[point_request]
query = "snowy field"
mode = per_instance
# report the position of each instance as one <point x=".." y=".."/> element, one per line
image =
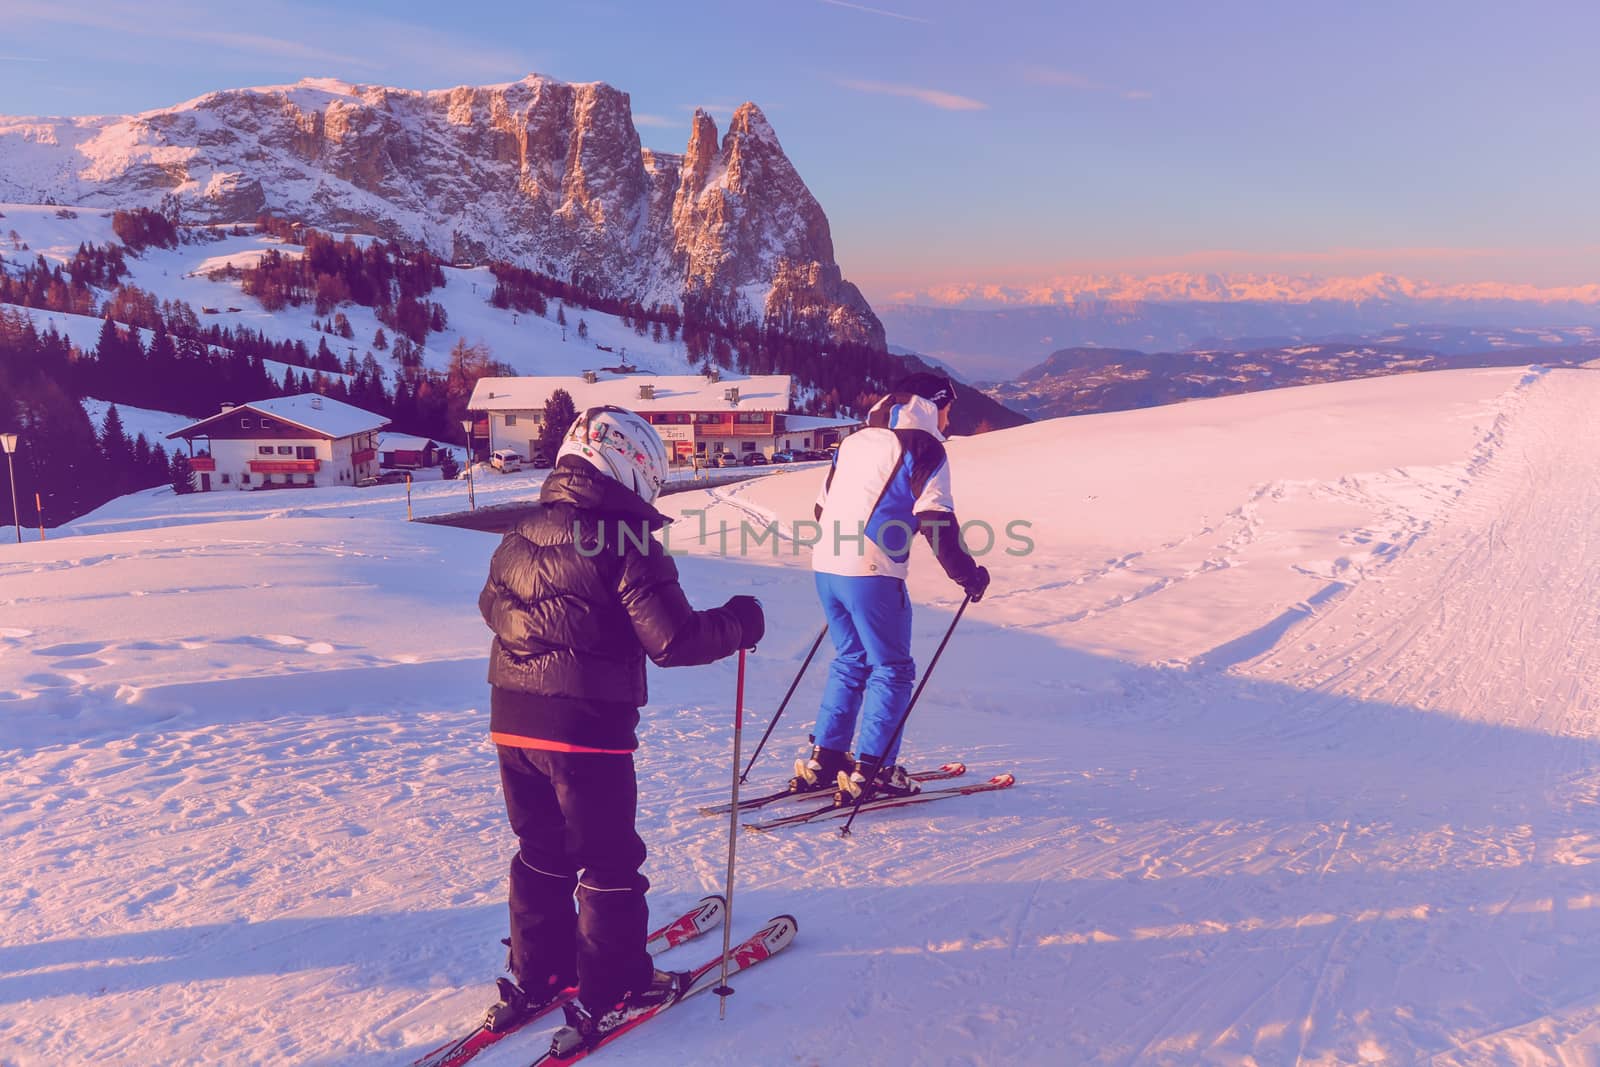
<point x="1299" y="688"/>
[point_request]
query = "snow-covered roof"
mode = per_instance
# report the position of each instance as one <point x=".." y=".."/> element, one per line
<point x="818" y="422"/>
<point x="320" y="414"/>
<point x="672" y="392"/>
<point x="403" y="442"/>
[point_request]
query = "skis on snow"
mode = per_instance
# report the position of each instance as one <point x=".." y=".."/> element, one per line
<point x="700" y="919"/>
<point x="948" y="770"/>
<point x="566" y="1045"/>
<point x="843" y="810"/>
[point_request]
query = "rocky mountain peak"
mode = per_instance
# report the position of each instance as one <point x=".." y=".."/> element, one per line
<point x="547" y="174"/>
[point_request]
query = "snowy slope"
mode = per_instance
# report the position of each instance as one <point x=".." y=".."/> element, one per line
<point x="530" y="344"/>
<point x="1298" y="687"/>
<point x="155" y="425"/>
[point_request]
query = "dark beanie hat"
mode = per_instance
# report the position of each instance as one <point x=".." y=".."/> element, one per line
<point x="934" y="387"/>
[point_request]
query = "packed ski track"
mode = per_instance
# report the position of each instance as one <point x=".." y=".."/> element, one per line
<point x="1298" y="689"/>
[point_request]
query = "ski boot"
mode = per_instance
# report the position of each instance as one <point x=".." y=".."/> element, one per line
<point x="876" y="781"/>
<point x="516" y="1004"/>
<point x="585" y="1029"/>
<point x="818" y="773"/>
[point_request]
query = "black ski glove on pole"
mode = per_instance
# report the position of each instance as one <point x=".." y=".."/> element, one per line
<point x="976" y="585"/>
<point x="752" y="621"/>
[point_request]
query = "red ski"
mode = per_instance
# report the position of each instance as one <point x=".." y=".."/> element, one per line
<point x="948" y="770"/>
<point x="566" y="1045"/>
<point x="702" y="918"/>
<point x="843" y="810"/>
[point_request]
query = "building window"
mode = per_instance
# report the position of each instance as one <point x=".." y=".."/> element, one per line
<point x="747" y="446"/>
<point x="699" y="448"/>
<point x="750" y="416"/>
<point x="711" y="417"/>
<point x="807" y="443"/>
<point x="263" y="450"/>
<point x="244" y="424"/>
<point x="305" y="451"/>
<point x="285" y="450"/>
<point x="244" y="479"/>
<point x="224" y="479"/>
<point x="266" y="424"/>
<point x="511" y="418"/>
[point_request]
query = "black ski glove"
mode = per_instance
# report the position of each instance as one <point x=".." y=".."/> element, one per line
<point x="977" y="585"/>
<point x="752" y="621"/>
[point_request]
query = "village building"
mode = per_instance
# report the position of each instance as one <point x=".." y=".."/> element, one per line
<point x="403" y="451"/>
<point x="288" y="441"/>
<point x="697" y="415"/>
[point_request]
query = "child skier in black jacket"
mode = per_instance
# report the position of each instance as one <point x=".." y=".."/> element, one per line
<point x="578" y="595"/>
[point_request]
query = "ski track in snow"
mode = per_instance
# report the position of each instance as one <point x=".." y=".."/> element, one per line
<point x="251" y="815"/>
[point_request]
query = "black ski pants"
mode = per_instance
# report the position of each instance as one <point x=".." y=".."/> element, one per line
<point x="573" y="814"/>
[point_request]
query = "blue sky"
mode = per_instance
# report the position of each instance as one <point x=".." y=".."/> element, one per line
<point x="999" y="142"/>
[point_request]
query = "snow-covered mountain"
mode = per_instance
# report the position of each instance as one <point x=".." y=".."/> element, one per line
<point x="547" y="174"/>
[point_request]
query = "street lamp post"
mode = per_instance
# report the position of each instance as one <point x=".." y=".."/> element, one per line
<point x="8" y="442"/>
<point x="472" y="499"/>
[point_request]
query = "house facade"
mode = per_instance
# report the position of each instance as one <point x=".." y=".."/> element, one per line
<point x="286" y="442"/>
<point x="696" y="415"/>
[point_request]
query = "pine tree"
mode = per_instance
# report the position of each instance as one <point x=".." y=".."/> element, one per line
<point x="157" y="466"/>
<point x="559" y="414"/>
<point x="179" y="475"/>
<point x="117" y="452"/>
<point x="583" y="329"/>
<point x="380" y="340"/>
<point x="141" y="459"/>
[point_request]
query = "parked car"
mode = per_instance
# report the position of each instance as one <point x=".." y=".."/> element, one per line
<point x="786" y="455"/>
<point x="542" y="461"/>
<point x="393" y="477"/>
<point x="505" y="460"/>
<point x="725" y="459"/>
<point x="755" y="459"/>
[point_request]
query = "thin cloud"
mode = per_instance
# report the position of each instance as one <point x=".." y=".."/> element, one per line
<point x="386" y="42"/>
<point x="645" y="119"/>
<point x="933" y="97"/>
<point x="22" y="59"/>
<point x="1064" y="79"/>
<point x="875" y="11"/>
<point x="714" y="110"/>
<point x="245" y="43"/>
<point x="1067" y="79"/>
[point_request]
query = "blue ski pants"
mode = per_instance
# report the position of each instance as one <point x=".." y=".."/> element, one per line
<point x="869" y="620"/>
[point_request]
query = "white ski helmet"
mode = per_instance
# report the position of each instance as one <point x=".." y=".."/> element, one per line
<point x="618" y="442"/>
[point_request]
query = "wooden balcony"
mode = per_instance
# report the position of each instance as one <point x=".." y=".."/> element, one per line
<point x="203" y="463"/>
<point x="285" y="466"/>
<point x="365" y="455"/>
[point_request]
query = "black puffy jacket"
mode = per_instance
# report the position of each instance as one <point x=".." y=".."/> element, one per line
<point x="576" y="602"/>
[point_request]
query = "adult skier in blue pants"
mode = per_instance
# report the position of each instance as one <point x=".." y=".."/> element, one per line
<point x="889" y="481"/>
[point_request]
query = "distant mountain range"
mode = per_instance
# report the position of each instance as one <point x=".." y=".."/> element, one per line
<point x="1242" y="288"/>
<point x="997" y="332"/>
<point x="1079" y="381"/>
<point x="545" y="174"/>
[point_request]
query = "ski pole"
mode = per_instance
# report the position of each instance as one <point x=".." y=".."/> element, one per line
<point x="724" y="990"/>
<point x="778" y="714"/>
<point x="901" y="725"/>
